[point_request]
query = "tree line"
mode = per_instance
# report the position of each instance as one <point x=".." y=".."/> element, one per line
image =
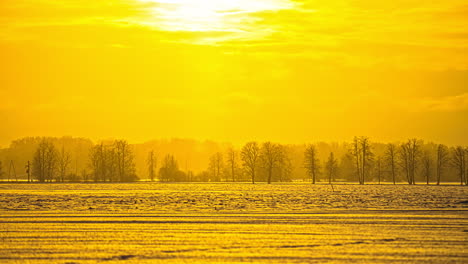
<point x="407" y="159"/>
<point x="359" y="161"/>
<point x="268" y="162"/>
<point x="112" y="162"/>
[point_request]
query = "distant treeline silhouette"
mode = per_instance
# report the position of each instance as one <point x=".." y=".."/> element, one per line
<point x="79" y="160"/>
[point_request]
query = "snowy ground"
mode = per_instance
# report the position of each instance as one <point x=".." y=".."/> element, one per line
<point x="200" y="223"/>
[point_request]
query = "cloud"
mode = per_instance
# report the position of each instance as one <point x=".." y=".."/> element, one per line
<point x="335" y="30"/>
<point x="397" y="34"/>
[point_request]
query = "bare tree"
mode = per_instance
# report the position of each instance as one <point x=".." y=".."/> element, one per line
<point x="409" y="158"/>
<point x="426" y="161"/>
<point x="357" y="154"/>
<point x="27" y="168"/>
<point x="249" y="155"/>
<point x="151" y="162"/>
<point x="216" y="165"/>
<point x="45" y="161"/>
<point x="270" y="157"/>
<point x="99" y="162"/>
<point x="362" y="153"/>
<point x="442" y="161"/>
<point x="366" y="156"/>
<point x="232" y="158"/>
<point x="64" y="160"/>
<point x="311" y="162"/>
<point x="125" y="163"/>
<point x="169" y="170"/>
<point x="114" y="162"/>
<point x="391" y="159"/>
<point x="459" y="162"/>
<point x="110" y="162"/>
<point x="331" y="167"/>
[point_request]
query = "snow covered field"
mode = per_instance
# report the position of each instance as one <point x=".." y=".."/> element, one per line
<point x="200" y="223"/>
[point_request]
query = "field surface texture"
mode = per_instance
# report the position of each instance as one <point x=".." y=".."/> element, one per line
<point x="232" y="223"/>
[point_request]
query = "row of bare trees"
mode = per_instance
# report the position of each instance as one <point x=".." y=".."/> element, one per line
<point x="169" y="171"/>
<point x="459" y="162"/>
<point x="410" y="157"/>
<point x="362" y="154"/>
<point x="112" y="162"/>
<point x="272" y="162"/>
<point x="46" y="162"/>
<point x="360" y="160"/>
<point x="270" y="159"/>
<point x="407" y="158"/>
<point x="254" y="162"/>
<point x="313" y="167"/>
<point x="108" y="162"/>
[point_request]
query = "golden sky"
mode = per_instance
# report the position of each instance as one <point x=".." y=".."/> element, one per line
<point x="280" y="70"/>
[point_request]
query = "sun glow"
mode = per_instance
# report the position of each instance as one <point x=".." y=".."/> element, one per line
<point x="210" y="15"/>
<point x="291" y="71"/>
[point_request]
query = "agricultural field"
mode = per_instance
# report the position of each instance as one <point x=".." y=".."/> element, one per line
<point x="232" y="223"/>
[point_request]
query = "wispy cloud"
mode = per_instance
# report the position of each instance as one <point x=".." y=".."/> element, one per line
<point x="400" y="34"/>
<point x="455" y="103"/>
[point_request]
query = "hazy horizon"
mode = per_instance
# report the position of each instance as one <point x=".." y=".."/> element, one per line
<point x="234" y="144"/>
